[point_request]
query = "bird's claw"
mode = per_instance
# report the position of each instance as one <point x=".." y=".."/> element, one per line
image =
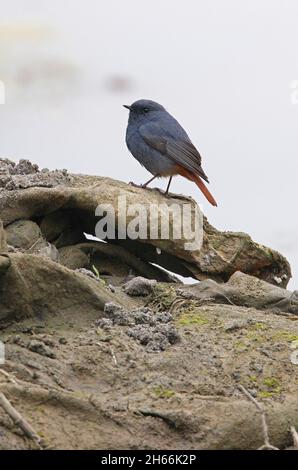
<point x="144" y="186"/>
<point x="131" y="183"/>
<point x="135" y="185"/>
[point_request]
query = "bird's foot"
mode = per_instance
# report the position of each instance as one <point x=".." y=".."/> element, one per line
<point x="142" y="186"/>
<point x="135" y="185"/>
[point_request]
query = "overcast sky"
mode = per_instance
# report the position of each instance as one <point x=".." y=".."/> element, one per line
<point x="224" y="68"/>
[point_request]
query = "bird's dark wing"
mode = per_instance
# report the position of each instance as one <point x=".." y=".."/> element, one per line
<point x="179" y="149"/>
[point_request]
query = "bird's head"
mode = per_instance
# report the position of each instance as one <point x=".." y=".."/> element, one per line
<point x="143" y="109"/>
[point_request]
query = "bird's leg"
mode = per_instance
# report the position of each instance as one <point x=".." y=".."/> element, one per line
<point x="151" y="179"/>
<point x="168" y="187"/>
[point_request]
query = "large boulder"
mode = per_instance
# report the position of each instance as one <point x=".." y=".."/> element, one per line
<point x="22" y="234"/>
<point x="71" y="201"/>
<point x="245" y="290"/>
<point x="34" y="288"/>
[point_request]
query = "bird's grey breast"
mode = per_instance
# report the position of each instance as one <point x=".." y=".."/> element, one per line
<point x="152" y="159"/>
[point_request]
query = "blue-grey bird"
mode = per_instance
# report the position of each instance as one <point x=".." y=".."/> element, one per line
<point x="162" y="146"/>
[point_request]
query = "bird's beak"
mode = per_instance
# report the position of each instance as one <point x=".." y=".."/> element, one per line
<point x="127" y="107"/>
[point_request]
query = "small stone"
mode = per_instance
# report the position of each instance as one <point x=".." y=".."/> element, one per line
<point x="117" y="314"/>
<point x="87" y="272"/>
<point x="163" y="317"/>
<point x="104" y="323"/>
<point x="139" y="286"/>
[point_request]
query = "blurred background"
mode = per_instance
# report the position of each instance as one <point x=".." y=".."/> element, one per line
<point x="223" y="68"/>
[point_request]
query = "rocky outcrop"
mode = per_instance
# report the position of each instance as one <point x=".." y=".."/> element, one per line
<point x="137" y="358"/>
<point x="64" y="206"/>
<point x="247" y="291"/>
<point x="37" y="287"/>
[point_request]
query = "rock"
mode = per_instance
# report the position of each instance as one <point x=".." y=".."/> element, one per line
<point x="41" y="248"/>
<point x="245" y="290"/>
<point x="22" y="234"/>
<point x="139" y="286"/>
<point x="31" y="288"/>
<point x="24" y="167"/>
<point x="40" y="348"/>
<point x="47" y="250"/>
<point x="88" y="273"/>
<point x="27" y="175"/>
<point x="73" y="258"/>
<point x="6" y="169"/>
<point x="155" y="331"/>
<point x="168" y="366"/>
<point x="53" y="224"/>
<point x="222" y="254"/>
<point x="117" y="314"/>
<point x="157" y="338"/>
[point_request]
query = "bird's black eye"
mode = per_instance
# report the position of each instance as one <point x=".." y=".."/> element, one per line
<point x="146" y="110"/>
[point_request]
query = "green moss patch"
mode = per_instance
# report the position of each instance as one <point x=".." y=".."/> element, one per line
<point x="285" y="336"/>
<point x="161" y="392"/>
<point x="259" y="326"/>
<point x="191" y="319"/>
<point x="271" y="387"/>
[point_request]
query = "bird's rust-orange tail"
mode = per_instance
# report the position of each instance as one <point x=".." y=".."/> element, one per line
<point x="204" y="190"/>
<point x="196" y="179"/>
